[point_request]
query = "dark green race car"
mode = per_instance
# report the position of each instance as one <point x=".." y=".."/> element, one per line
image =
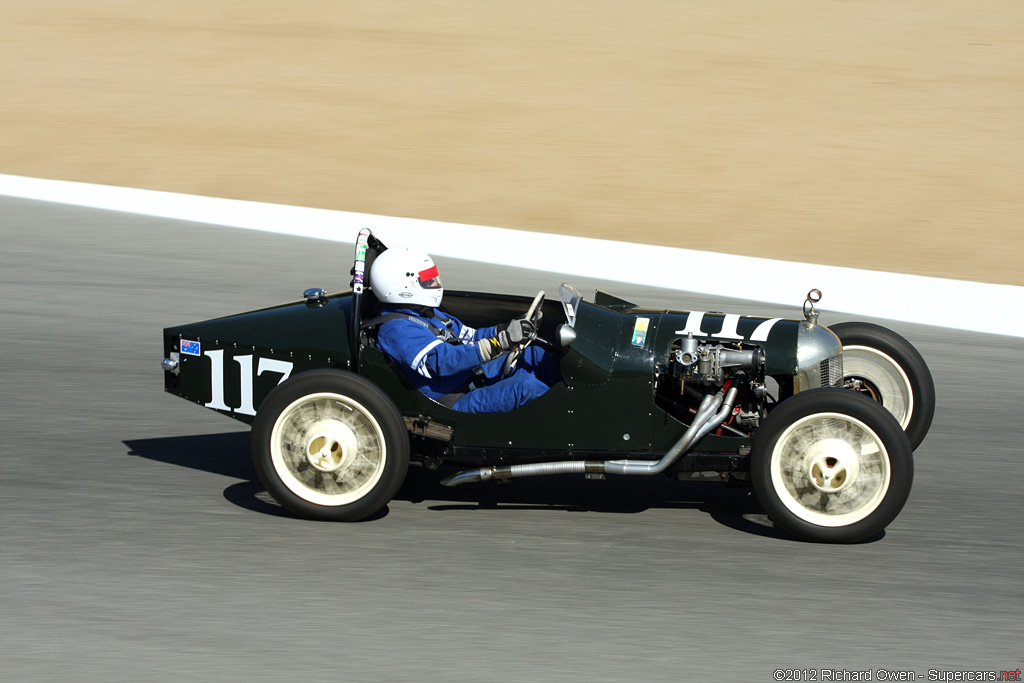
<point x="821" y="421"/>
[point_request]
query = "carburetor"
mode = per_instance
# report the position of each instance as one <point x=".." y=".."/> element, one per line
<point x="712" y="364"/>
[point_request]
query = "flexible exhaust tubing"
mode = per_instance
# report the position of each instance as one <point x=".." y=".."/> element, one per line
<point x="713" y="411"/>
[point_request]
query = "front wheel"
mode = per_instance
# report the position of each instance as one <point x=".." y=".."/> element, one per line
<point x="887" y="368"/>
<point x="829" y="466"/>
<point x="330" y="445"/>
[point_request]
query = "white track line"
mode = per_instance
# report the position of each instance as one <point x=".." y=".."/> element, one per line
<point x="956" y="304"/>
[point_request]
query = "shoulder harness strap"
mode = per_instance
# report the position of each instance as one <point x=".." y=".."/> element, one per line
<point x="445" y="334"/>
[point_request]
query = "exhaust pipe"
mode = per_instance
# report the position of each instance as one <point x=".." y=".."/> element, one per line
<point x="713" y="411"/>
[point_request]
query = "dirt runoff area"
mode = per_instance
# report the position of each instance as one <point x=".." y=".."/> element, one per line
<point x="873" y="134"/>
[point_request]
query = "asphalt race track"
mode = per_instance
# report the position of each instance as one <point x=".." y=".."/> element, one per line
<point x="138" y="544"/>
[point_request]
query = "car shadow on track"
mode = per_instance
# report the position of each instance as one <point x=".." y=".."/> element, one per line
<point x="227" y="454"/>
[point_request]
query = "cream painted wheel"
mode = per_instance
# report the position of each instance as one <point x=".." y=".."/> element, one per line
<point x="330" y="445"/>
<point x="885" y="367"/>
<point x="881" y="378"/>
<point x="829" y="466"/>
<point x="328" y="449"/>
<point x="830" y="469"/>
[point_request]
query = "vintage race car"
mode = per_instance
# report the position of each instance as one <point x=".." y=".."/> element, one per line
<point x="821" y="421"/>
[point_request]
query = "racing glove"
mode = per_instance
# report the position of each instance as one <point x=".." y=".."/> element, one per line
<point x="505" y="338"/>
<point x="530" y="325"/>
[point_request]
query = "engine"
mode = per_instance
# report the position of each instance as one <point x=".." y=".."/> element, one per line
<point x="712" y="364"/>
<point x="697" y="368"/>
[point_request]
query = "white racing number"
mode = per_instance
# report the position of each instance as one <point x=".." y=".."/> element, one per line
<point x="281" y="367"/>
<point x="730" y="323"/>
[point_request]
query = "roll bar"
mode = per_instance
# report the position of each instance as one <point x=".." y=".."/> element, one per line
<point x="368" y="248"/>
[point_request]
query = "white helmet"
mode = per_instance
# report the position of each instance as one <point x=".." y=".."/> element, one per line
<point x="406" y="275"/>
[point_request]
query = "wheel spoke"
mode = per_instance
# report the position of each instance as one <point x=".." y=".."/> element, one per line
<point x="869" y="448"/>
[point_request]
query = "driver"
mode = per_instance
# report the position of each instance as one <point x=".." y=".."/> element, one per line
<point x="457" y="365"/>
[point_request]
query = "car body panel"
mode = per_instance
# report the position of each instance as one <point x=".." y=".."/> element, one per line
<point x="605" y="405"/>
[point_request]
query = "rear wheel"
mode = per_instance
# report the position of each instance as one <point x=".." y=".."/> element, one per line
<point x="829" y="466"/>
<point x="886" y="368"/>
<point x="330" y="445"/>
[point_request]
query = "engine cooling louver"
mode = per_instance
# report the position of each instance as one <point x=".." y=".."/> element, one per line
<point x="832" y="372"/>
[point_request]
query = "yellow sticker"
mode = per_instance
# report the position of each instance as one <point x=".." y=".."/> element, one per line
<point x="640" y="331"/>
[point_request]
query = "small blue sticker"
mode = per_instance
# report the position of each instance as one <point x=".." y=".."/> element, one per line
<point x="190" y="348"/>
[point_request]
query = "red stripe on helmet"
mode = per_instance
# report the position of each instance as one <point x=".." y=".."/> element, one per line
<point x="428" y="274"/>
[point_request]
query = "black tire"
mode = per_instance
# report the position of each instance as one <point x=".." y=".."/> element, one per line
<point x="890" y="371"/>
<point x="830" y="467"/>
<point x="330" y="445"/>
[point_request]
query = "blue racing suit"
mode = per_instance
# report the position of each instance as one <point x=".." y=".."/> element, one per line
<point x="440" y="356"/>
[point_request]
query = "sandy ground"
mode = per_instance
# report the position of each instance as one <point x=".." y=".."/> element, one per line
<point x="873" y="134"/>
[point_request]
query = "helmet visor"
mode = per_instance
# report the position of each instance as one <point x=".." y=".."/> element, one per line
<point x="429" y="278"/>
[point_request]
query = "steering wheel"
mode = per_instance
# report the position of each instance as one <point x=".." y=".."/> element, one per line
<point x="533" y="315"/>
